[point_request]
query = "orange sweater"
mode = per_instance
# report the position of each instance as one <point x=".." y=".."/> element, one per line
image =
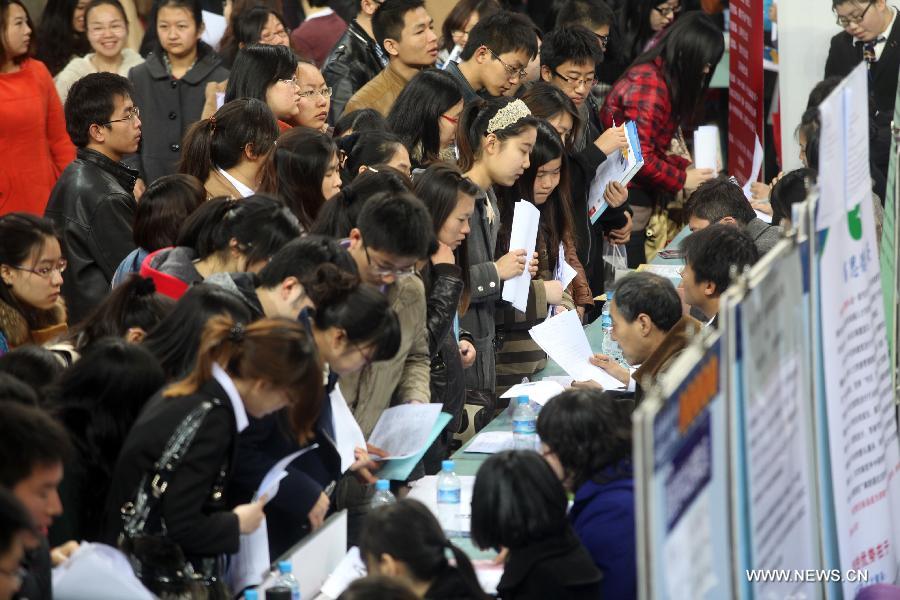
<point x="34" y="145"/>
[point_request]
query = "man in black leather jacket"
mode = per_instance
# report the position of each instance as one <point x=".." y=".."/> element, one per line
<point x="93" y="201"/>
<point x="355" y="59"/>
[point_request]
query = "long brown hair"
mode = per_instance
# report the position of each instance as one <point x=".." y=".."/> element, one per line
<point x="278" y="351"/>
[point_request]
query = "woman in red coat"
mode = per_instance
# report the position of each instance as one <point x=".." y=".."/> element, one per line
<point x="661" y="91"/>
<point x="34" y="145"/>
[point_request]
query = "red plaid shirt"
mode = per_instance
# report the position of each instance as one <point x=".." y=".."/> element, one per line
<point x="641" y="95"/>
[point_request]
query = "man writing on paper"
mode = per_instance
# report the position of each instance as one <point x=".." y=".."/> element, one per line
<point x="709" y="255"/>
<point x="649" y="328"/>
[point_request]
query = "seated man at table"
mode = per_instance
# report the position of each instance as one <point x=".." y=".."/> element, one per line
<point x="649" y="327"/>
<point x="709" y="255"/>
<point x="721" y="200"/>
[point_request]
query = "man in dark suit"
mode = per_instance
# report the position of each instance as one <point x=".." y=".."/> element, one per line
<point x="870" y="34"/>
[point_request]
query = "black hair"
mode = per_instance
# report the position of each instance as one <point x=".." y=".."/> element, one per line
<point x="361" y="310"/>
<point x="301" y="257"/>
<point x="589" y="431"/>
<point x="791" y="189"/>
<point x="517" y="501"/>
<point x="439" y="187"/>
<point x="21" y="236"/>
<point x="341" y="213"/>
<point x="164" y="206"/>
<point x="114" y="3"/>
<point x="649" y="294"/>
<point x="14" y="519"/>
<point x="712" y="251"/>
<point x="456" y="19"/>
<point x="502" y="32"/>
<point x="822" y="90"/>
<point x="473" y="125"/>
<point x="388" y="20"/>
<point x="416" y="114"/>
<point x="590" y="13"/>
<point x="557" y="225"/>
<point x="545" y="101"/>
<point x="718" y="198"/>
<point x="176" y="339"/>
<point x="256" y="68"/>
<point x="132" y="303"/>
<point x="29" y="438"/>
<point x="359" y="121"/>
<point x="34" y="365"/>
<point x="378" y="587"/>
<point x="810" y="126"/>
<point x="688" y="46"/>
<point x="398" y="224"/>
<point x="246" y="29"/>
<point x="577" y="44"/>
<point x="13" y="389"/>
<point x="634" y="24"/>
<point x="5" y="5"/>
<point x="368" y="149"/>
<point x="150" y="42"/>
<point x="91" y="101"/>
<point x="409" y="532"/>
<point x="98" y="399"/>
<point x="57" y="41"/>
<point x="296" y="170"/>
<point x="220" y="140"/>
<point x="260" y="225"/>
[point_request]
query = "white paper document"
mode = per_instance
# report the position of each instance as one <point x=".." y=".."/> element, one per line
<point x="97" y="572"/>
<point x="403" y="430"/>
<point x="425" y="491"/>
<point x="269" y="485"/>
<point x="538" y="391"/>
<point x="757" y="165"/>
<point x="214" y="26"/>
<point x="491" y="442"/>
<point x="564" y="380"/>
<point x="523" y="234"/>
<point x="348" y="435"/>
<point x="348" y="570"/>
<point x="706" y="147"/>
<point x="564" y="271"/>
<point x="564" y="340"/>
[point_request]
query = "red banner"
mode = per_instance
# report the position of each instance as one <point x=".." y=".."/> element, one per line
<point x="745" y="91"/>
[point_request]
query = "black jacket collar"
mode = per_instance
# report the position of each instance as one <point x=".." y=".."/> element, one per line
<point x="124" y="175"/>
<point x="572" y="566"/>
<point x="207" y="61"/>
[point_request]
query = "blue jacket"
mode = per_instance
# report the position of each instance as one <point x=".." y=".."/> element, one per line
<point x="603" y="517"/>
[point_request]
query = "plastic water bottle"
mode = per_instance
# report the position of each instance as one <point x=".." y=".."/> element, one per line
<point x="609" y="346"/>
<point x="286" y="579"/>
<point x="524" y="425"/>
<point x="383" y="494"/>
<point x="449" y="497"/>
<point x="251" y="595"/>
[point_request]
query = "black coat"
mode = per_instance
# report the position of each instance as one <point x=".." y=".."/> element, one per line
<point x="93" y="208"/>
<point x="843" y="56"/>
<point x="559" y="568"/>
<point x="196" y="519"/>
<point x="352" y="63"/>
<point x="169" y="106"/>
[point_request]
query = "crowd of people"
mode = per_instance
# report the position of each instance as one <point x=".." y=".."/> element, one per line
<point x="212" y="246"/>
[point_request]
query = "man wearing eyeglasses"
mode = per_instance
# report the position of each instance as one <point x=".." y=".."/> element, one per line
<point x="92" y="203"/>
<point x="494" y="58"/>
<point x="870" y="33"/>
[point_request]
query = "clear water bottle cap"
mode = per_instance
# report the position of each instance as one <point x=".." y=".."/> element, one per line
<point x="284" y="566"/>
<point x="521" y="399"/>
<point x="251" y="595"/>
<point x="447" y="465"/>
<point x="382" y="485"/>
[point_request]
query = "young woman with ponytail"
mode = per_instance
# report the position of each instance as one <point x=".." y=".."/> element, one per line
<point x="228" y="150"/>
<point x="242" y="371"/>
<point x="494" y="141"/>
<point x="405" y="541"/>
<point x="339" y="215"/>
<point x="222" y="236"/>
<point x="352" y="325"/>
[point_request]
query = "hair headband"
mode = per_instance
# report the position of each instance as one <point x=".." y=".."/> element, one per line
<point x="510" y="114"/>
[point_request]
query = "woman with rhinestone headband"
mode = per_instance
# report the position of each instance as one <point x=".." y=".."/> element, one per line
<point x="495" y="139"/>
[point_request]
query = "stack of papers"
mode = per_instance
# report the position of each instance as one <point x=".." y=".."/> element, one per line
<point x="491" y="442"/>
<point x="619" y="166"/>
<point x="564" y="340"/>
<point x="523" y="234"/>
<point x="706" y="147"/>
<point x="97" y="572"/>
<point x="406" y="432"/>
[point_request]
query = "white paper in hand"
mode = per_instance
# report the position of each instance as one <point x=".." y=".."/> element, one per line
<point x="706" y="147"/>
<point x="523" y="234"/>
<point x="563" y="339"/>
<point x="268" y="487"/>
<point x="564" y="272"/>
<point x="757" y="166"/>
<point x="347" y="433"/>
<point x="97" y="572"/>
<point x="403" y="430"/>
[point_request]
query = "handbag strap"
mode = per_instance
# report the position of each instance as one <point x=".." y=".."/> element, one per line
<point x="151" y="489"/>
